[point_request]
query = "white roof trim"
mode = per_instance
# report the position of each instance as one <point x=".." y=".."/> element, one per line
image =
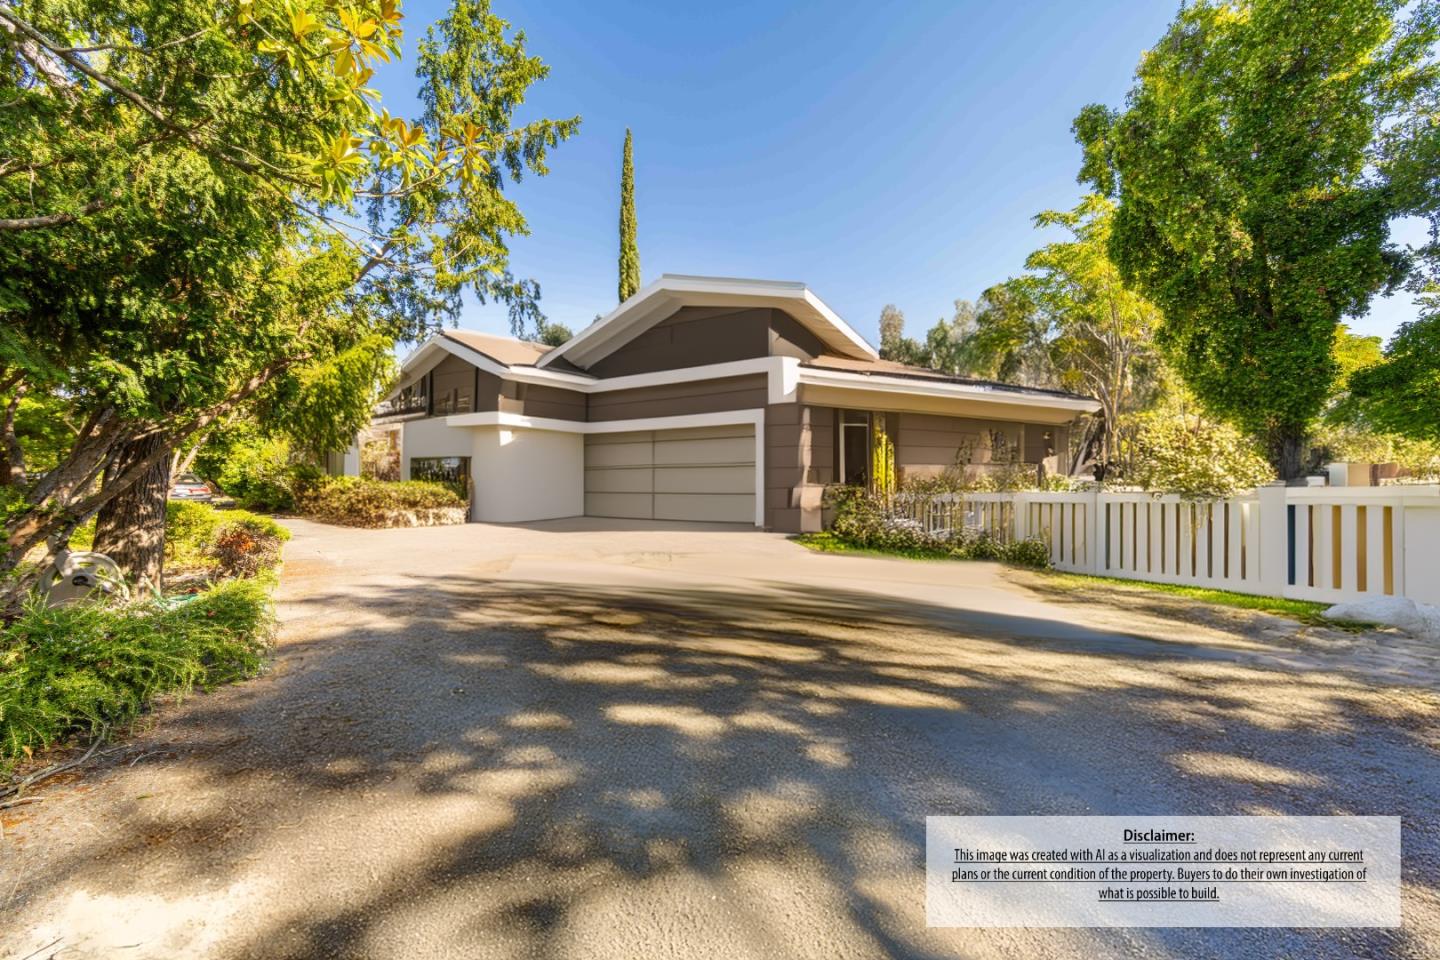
<point x="944" y="388"/>
<point x="673" y="291"/>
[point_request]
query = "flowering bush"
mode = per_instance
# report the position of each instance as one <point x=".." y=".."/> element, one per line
<point x="1194" y="458"/>
<point x="864" y="521"/>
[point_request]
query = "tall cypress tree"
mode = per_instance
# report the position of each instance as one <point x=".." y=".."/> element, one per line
<point x="629" y="253"/>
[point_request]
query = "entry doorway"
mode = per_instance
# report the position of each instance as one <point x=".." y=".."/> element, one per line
<point x="854" y="449"/>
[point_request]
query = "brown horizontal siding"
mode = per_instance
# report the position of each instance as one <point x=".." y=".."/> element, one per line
<point x="680" y="399"/>
<point x="538" y="400"/>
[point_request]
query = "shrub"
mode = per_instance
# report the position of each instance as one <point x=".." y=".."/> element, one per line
<point x="861" y="520"/>
<point x="359" y="502"/>
<point x="193" y="532"/>
<point x="1030" y="552"/>
<point x="246" y="546"/>
<point x="1194" y="458"/>
<point x="84" y="667"/>
<point x="259" y="475"/>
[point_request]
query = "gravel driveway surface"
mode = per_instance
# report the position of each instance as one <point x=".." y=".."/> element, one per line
<point x="568" y="740"/>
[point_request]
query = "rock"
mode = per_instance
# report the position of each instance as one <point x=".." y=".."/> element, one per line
<point x="1417" y="619"/>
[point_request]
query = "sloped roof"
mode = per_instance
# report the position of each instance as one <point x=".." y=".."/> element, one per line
<point x="892" y="368"/>
<point x="672" y="291"/>
<point x="506" y="350"/>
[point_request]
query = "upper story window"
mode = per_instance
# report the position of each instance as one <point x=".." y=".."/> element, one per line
<point x="412" y="399"/>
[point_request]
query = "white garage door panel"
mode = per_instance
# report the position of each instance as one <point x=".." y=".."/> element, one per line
<point x="729" y="479"/>
<point x="619" y="454"/>
<point x="620" y="480"/>
<point x="717" y="450"/>
<point x="709" y="508"/>
<point x="702" y="474"/>
<point x="629" y="506"/>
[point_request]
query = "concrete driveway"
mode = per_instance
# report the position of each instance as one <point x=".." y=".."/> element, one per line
<point x="574" y="741"/>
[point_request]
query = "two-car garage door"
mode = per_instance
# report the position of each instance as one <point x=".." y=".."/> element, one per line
<point x="705" y="474"/>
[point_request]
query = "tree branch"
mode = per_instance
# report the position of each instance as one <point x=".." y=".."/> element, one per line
<point x="53" y="219"/>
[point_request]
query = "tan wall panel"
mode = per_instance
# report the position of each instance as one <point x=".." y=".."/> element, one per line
<point x="710" y="508"/>
<point x="739" y="479"/>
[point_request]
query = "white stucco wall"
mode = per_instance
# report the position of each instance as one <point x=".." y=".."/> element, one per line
<point x="524" y="474"/>
<point x="432" y="438"/>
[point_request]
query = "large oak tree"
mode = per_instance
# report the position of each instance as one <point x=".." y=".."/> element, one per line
<point x="1250" y="209"/>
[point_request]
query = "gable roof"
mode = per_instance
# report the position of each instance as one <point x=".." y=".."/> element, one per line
<point x="506" y="350"/>
<point x="673" y="291"/>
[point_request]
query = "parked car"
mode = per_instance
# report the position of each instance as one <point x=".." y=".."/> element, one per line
<point x="190" y="487"/>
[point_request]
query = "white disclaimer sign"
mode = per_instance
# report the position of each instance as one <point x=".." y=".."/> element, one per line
<point x="1162" y="871"/>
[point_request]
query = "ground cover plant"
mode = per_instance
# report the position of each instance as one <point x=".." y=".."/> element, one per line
<point x="85" y="668"/>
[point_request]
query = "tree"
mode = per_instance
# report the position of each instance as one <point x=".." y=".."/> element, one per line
<point x="1010" y="341"/>
<point x="1102" y="332"/>
<point x="946" y="344"/>
<point x="894" y="345"/>
<point x="1401" y="394"/>
<point x="629" y="252"/>
<point x="1246" y="212"/>
<point x="554" y="334"/>
<point x="179" y="250"/>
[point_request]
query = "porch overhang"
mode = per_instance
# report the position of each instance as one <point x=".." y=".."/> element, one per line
<point x="911" y="395"/>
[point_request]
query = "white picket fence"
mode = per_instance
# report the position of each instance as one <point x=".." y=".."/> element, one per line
<point x="1314" y="543"/>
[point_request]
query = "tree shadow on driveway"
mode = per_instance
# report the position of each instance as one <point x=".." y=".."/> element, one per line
<point x="510" y="768"/>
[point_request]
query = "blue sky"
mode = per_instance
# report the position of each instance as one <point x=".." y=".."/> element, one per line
<point x="881" y="153"/>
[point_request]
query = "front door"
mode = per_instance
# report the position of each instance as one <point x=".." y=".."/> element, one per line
<point x="855" y="447"/>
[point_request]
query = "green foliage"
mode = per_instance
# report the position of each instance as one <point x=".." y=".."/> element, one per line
<point x="259" y="475"/>
<point x="629" y="252"/>
<point x="193" y="530"/>
<point x="1401" y="395"/>
<point x="323" y="405"/>
<point x="894" y="345"/>
<point x="1246" y="212"/>
<point x="1101" y="333"/>
<point x="554" y="334"/>
<point x="209" y="212"/>
<point x="84" y="668"/>
<point x="1009" y="341"/>
<point x="864" y="522"/>
<point x="1179" y="453"/>
<point x="358" y="502"/>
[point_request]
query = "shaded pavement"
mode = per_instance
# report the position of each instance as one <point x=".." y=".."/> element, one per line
<point x="568" y="740"/>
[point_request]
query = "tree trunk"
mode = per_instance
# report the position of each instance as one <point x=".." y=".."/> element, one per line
<point x="12" y="456"/>
<point x="130" y="528"/>
<point x="1287" y="452"/>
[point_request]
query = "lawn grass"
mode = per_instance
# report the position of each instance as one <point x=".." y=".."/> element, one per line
<point x="1306" y="611"/>
<point x="827" y="542"/>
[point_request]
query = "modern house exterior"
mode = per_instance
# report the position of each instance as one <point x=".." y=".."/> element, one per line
<point x="698" y="399"/>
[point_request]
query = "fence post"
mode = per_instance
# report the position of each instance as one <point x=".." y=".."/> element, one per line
<point x="1274" y="545"/>
<point x="1020" y="513"/>
<point x="1094" y="526"/>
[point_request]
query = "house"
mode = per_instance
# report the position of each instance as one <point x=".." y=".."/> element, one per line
<point x="698" y="399"/>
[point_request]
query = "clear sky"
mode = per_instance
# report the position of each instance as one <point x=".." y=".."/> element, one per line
<point x="881" y="153"/>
